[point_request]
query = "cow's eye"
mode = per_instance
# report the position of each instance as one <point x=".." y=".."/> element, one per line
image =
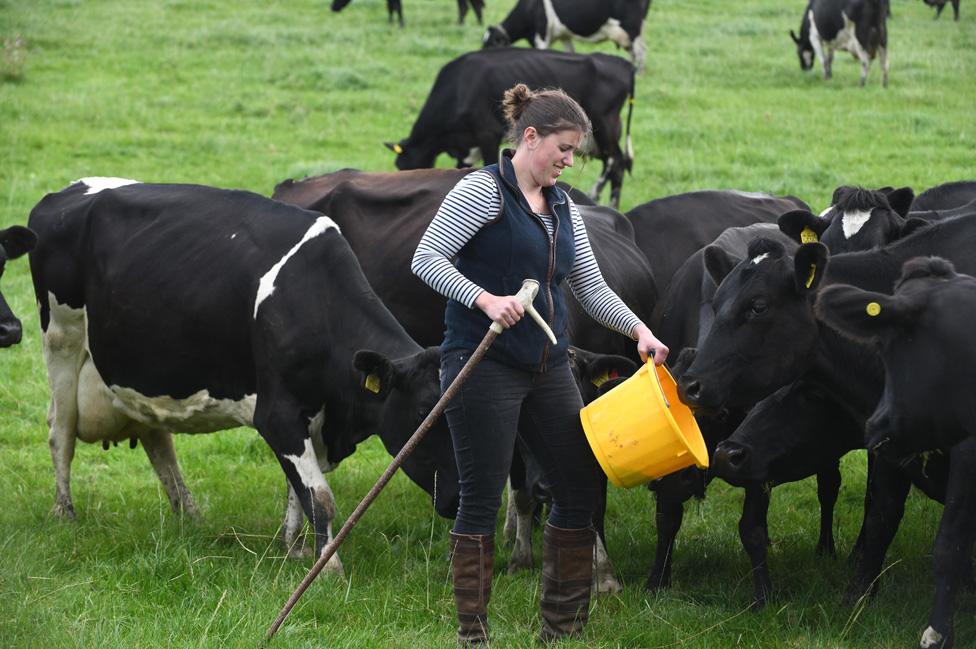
<point x="758" y="308"/>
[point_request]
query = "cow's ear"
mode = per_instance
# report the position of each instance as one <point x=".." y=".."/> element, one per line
<point x="914" y="224"/>
<point x="809" y="264"/>
<point x="901" y="200"/>
<point x="375" y="372"/>
<point x="684" y="360"/>
<point x="719" y="263"/>
<point x="609" y="384"/>
<point x="802" y="226"/>
<point x="796" y="39"/>
<point x="859" y="314"/>
<point x="17" y="240"/>
<point x="604" y="367"/>
<point x="395" y="147"/>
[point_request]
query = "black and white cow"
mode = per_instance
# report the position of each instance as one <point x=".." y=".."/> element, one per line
<point x="395" y="7"/>
<point x="182" y="308"/>
<point x="940" y="5"/>
<point x="671" y="229"/>
<point x="855" y="26"/>
<point x="465" y="119"/>
<point x="543" y="22"/>
<point x="14" y="242"/>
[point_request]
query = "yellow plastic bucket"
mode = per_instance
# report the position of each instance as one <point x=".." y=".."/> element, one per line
<point x="640" y="431"/>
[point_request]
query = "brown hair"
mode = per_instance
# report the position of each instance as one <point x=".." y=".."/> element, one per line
<point x="548" y="111"/>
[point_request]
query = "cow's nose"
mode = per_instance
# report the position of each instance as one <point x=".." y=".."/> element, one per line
<point x="730" y="459"/>
<point x="10" y="333"/>
<point x="689" y="391"/>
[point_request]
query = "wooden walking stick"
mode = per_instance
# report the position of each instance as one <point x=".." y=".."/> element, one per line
<point x="526" y="294"/>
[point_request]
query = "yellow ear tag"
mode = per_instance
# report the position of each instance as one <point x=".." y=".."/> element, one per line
<point x="600" y="380"/>
<point x="397" y="149"/>
<point x="813" y="273"/>
<point x="873" y="309"/>
<point x="808" y="236"/>
<point x="373" y="383"/>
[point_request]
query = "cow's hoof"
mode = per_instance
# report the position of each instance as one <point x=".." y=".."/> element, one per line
<point x="298" y="550"/>
<point x="826" y="550"/>
<point x="64" y="511"/>
<point x="608" y="585"/>
<point x="334" y="566"/>
<point x="655" y="583"/>
<point x="932" y="639"/>
<point x="519" y="562"/>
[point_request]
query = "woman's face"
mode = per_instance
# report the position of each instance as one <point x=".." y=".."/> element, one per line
<point x="549" y="155"/>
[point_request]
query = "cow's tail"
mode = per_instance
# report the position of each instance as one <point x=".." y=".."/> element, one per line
<point x="628" y="146"/>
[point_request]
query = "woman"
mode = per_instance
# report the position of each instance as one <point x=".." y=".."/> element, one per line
<point x="502" y="224"/>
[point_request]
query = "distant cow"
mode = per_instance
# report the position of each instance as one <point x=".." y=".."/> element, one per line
<point x="14" y="242"/>
<point x="543" y="22"/>
<point x="182" y="308"/>
<point x="855" y="26"/>
<point x="940" y="5"/>
<point x="465" y="120"/>
<point x="394" y="7"/>
<point x="945" y="196"/>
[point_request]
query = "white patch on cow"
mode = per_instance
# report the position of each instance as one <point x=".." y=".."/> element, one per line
<point x="854" y="221"/>
<point x="610" y="30"/>
<point x="307" y="466"/>
<point x="604" y="577"/>
<point x="233" y="236"/>
<point x="474" y="157"/>
<point x="931" y="638"/>
<point x="755" y="195"/>
<point x="198" y="413"/>
<point x="98" y="183"/>
<point x="758" y="259"/>
<point x="315" y="434"/>
<point x="266" y="286"/>
<point x="826" y="211"/>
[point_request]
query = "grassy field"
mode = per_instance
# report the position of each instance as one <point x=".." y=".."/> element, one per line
<point x="244" y="94"/>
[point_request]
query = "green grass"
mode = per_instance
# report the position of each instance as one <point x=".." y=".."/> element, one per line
<point x="245" y="94"/>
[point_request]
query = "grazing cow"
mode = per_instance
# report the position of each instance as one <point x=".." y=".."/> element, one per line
<point x="543" y="22"/>
<point x="926" y="344"/>
<point x="855" y="26"/>
<point x="765" y="335"/>
<point x="182" y="308"/>
<point x="394" y="7"/>
<point x="465" y="120"/>
<point x="940" y="5"/>
<point x="14" y="242"/>
<point x="670" y="229"/>
<point x="945" y="196"/>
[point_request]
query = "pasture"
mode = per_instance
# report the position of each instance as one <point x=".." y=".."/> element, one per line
<point x="245" y="94"/>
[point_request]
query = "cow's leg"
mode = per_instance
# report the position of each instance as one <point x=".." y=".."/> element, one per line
<point x="828" y="63"/>
<point x="568" y="45"/>
<point x="601" y="181"/>
<point x="479" y="7"/>
<point x="638" y="51"/>
<point x="524" y="506"/>
<point x="285" y="430"/>
<point x="462" y="11"/>
<point x="865" y="65"/>
<point x="883" y="59"/>
<point x="828" y="486"/>
<point x="291" y="526"/>
<point x="604" y="577"/>
<point x="667" y="518"/>
<point x="889" y="489"/>
<point x="755" y="541"/>
<point x="955" y="9"/>
<point x="159" y="448"/>
<point x="953" y="544"/>
<point x="64" y="354"/>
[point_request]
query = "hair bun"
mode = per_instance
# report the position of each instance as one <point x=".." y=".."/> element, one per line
<point x="516" y="100"/>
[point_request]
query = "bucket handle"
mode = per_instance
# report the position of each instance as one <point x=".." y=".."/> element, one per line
<point x="653" y="370"/>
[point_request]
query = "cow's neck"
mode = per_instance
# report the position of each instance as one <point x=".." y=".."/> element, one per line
<point x="849" y="370"/>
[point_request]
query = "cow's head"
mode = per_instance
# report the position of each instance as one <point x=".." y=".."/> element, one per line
<point x="412" y="156"/>
<point x="593" y="371"/>
<point x="339" y="5"/>
<point x="400" y="394"/>
<point x="924" y="333"/>
<point x="804" y="49"/>
<point x="789" y="435"/>
<point x="764" y="334"/>
<point x="495" y="36"/>
<point x="857" y="219"/>
<point x="14" y="242"/>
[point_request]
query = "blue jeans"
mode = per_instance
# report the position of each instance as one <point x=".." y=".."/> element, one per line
<point x="499" y="402"/>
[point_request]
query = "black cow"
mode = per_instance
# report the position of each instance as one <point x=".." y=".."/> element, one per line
<point x="182" y="308"/>
<point x="925" y="336"/>
<point x="670" y="229"/>
<point x="766" y="335"/>
<point x="14" y="242"/>
<point x="394" y="7"/>
<point x="465" y="120"/>
<point x="543" y="22"/>
<point x="855" y="26"/>
<point x="940" y="5"/>
<point x="945" y="196"/>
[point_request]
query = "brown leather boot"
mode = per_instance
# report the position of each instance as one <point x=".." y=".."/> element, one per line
<point x="472" y="556"/>
<point x="567" y="573"/>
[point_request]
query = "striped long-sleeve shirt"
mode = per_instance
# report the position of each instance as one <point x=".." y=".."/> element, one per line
<point x="472" y="204"/>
